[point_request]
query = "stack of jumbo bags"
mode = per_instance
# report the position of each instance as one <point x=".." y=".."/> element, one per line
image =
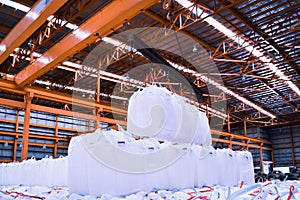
<point x="32" y="172"/>
<point x="157" y="113"/>
<point x="89" y="175"/>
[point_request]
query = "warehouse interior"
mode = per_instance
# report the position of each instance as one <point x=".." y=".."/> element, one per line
<point x="47" y="95"/>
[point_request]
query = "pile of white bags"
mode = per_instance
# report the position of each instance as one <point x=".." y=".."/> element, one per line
<point x="89" y="175"/>
<point x="94" y="165"/>
<point x="270" y="190"/>
<point x="154" y="113"/>
<point x="45" y="172"/>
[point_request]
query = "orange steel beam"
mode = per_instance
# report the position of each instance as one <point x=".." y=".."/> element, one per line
<point x="17" y="104"/>
<point x="15" y="148"/>
<point x="37" y="136"/>
<point x="101" y="24"/>
<point x="28" y="24"/>
<point x="25" y="136"/>
<point x="241" y="137"/>
<point x="55" y="97"/>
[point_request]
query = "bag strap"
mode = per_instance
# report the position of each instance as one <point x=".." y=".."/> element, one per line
<point x="246" y="190"/>
<point x="267" y="190"/>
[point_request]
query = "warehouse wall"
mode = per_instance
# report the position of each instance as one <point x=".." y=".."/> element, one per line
<point x="286" y="149"/>
<point x="40" y="124"/>
<point x="252" y="131"/>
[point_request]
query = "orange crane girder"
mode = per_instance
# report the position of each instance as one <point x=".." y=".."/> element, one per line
<point x="103" y="23"/>
<point x="37" y="15"/>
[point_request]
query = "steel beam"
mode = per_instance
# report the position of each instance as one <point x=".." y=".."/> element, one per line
<point x="101" y="24"/>
<point x="55" y="97"/>
<point x="216" y="50"/>
<point x="241" y="137"/>
<point x="56" y="111"/>
<point x="25" y="136"/>
<point x="26" y="27"/>
<point x="201" y="42"/>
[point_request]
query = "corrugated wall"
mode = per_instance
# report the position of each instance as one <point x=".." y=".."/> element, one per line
<point x="286" y="150"/>
<point x="41" y="124"/>
<point x="252" y="131"/>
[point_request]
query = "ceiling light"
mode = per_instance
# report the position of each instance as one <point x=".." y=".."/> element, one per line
<point x="205" y="79"/>
<point x="2" y="48"/>
<point x="195" y="50"/>
<point x="221" y="87"/>
<point x="15" y="5"/>
<point x="240" y="41"/>
<point x="5" y="144"/>
<point x="243" y="78"/>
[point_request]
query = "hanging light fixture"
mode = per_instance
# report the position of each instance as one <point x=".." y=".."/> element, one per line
<point x="5" y="144"/>
<point x="44" y="146"/>
<point x="243" y="78"/>
<point x="195" y="49"/>
<point x="21" y="145"/>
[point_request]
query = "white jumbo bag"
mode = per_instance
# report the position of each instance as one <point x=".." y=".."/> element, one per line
<point x="26" y="172"/>
<point x="1" y="173"/>
<point x="63" y="171"/>
<point x="129" y="182"/>
<point x="245" y="167"/>
<point x="105" y="179"/>
<point x="77" y="167"/>
<point x="18" y="173"/>
<point x="151" y="117"/>
<point x="60" y="177"/>
<point x="203" y="136"/>
<point x="34" y="172"/>
<point x="228" y="160"/>
<point x="207" y="168"/>
<point x="135" y="118"/>
<point x="153" y="112"/>
<point x="172" y="112"/>
<point x="43" y="171"/>
<point x="181" y="172"/>
<point x="7" y="175"/>
<point x="158" y="177"/>
<point x="49" y="171"/>
<point x="187" y="127"/>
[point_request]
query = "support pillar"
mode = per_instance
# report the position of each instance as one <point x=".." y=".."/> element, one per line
<point x="245" y="128"/>
<point x="55" y="134"/>
<point x="230" y="142"/>
<point x="89" y="125"/>
<point x="292" y="146"/>
<point x="228" y="123"/>
<point x="15" y="148"/>
<point x="55" y="149"/>
<point x="17" y="121"/>
<point x="261" y="157"/>
<point x="247" y="144"/>
<point x="25" y="137"/>
<point x="97" y="98"/>
<point x="272" y="155"/>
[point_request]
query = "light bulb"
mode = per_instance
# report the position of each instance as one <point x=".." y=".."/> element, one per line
<point x="195" y="50"/>
<point x="6" y="144"/>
